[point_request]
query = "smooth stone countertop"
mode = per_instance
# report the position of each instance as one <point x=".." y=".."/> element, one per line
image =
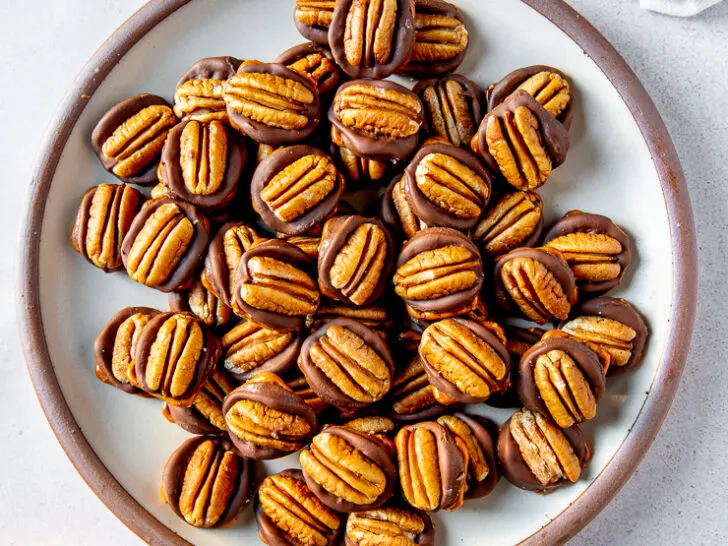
<point x="679" y="492"/>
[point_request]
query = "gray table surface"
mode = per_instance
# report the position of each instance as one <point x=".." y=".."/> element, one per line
<point x="679" y="492"/>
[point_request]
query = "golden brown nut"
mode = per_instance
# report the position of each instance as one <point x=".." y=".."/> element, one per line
<point x="103" y="219"/>
<point x="198" y="95"/>
<point x="313" y="18"/>
<point x="376" y="425"/>
<point x="374" y="317"/>
<point x="432" y="466"/>
<point x="389" y="526"/>
<point x="514" y="220"/>
<point x="362" y="170"/>
<point x="202" y="303"/>
<point x="309" y="244"/>
<point x="314" y="62"/>
<point x="550" y="89"/>
<point x="605" y="359"/>
<point x="397" y="212"/>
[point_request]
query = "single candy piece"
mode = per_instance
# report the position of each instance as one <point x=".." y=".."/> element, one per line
<point x="518" y="341"/>
<point x="536" y="455"/>
<point x="202" y="303"/>
<point x="103" y="219"/>
<point x="315" y="62"/>
<point x="287" y="512"/>
<point x="272" y="104"/>
<point x="165" y="243"/>
<point x="274" y="285"/>
<point x="313" y="18"/>
<point x="447" y="186"/>
<point x="595" y="248"/>
<point x="206" y="482"/>
<point x="514" y="220"/>
<point x="347" y="364"/>
<point x="115" y="347"/>
<point x="205" y="415"/>
<point x="372" y="38"/>
<point x="438" y="271"/>
<point x="361" y="170"/>
<point x="611" y="325"/>
<point x="265" y="420"/>
<point x="523" y="142"/>
<point x="397" y="212"/>
<point x="432" y="466"/>
<point x="349" y="471"/>
<point x="356" y="256"/>
<point x="198" y="95"/>
<point x="128" y="139"/>
<point x="464" y="361"/>
<point x="378" y="119"/>
<point x="441" y="39"/>
<point x="389" y="526"/>
<point x="296" y="188"/>
<point x="249" y="349"/>
<point x="535" y="283"/>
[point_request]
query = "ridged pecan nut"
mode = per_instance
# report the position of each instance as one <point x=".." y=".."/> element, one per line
<point x="374" y="317"/>
<point x="595" y="248"/>
<point x="115" y="347"/>
<point x="288" y="512"/>
<point x="165" y="243"/>
<point x="348" y="470"/>
<point x="272" y="104"/>
<point x="198" y="95"/>
<point x="309" y="244"/>
<point x="204" y="416"/>
<point x="375" y="118"/>
<point x="441" y="39"/>
<point x="397" y="212"/>
<point x="128" y="139"/>
<point x="265" y="420"/>
<point x="372" y="38"/>
<point x="313" y="18"/>
<point x="447" y="186"/>
<point x="522" y="141"/>
<point x="355" y="259"/>
<point x="206" y="482"/>
<point x="412" y="396"/>
<point x="439" y="270"/>
<point x="362" y="170"/>
<point x="313" y="61"/>
<point x="376" y="425"/>
<point x="300" y="386"/>
<point x="464" y="360"/>
<point x="249" y="349"/>
<point x="605" y="359"/>
<point x="274" y="285"/>
<point x="432" y="466"/>
<point x="389" y="526"/>
<point x="347" y="364"/>
<point x="536" y="283"/>
<point x="296" y="188"/>
<point x="536" y="455"/>
<point x="202" y="303"/>
<point x="514" y="220"/>
<point x="174" y="357"/>
<point x="103" y="219"/>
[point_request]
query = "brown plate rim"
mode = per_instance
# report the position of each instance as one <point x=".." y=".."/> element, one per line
<point x="612" y="477"/>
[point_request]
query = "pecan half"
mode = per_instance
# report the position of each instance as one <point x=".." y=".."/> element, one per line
<point x="314" y="62"/>
<point x="313" y="18"/>
<point x="202" y="303"/>
<point x="198" y="95"/>
<point x="374" y="317"/>
<point x="389" y="526"/>
<point x="103" y="219"/>
<point x="361" y="170"/>
<point x="397" y="212"/>
<point x="309" y="244"/>
<point x="378" y="426"/>
<point x="412" y="396"/>
<point x="514" y="220"/>
<point x="250" y="349"/>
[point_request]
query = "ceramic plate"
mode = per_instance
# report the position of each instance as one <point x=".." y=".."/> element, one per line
<point x="621" y="164"/>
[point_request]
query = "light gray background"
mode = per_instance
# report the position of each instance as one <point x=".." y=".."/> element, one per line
<point x="679" y="492"/>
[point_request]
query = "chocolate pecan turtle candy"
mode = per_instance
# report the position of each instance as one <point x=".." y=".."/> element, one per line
<point x="315" y="62"/>
<point x="439" y="271"/>
<point x="611" y="325"/>
<point x="288" y="513"/>
<point x="375" y="317"/>
<point x="274" y="285"/>
<point x="595" y="248"/>
<point x="514" y="220"/>
<point x="128" y="139"/>
<point x="349" y="471"/>
<point x="441" y="39"/>
<point x="465" y="362"/>
<point x="313" y="18"/>
<point x="536" y="283"/>
<point x="361" y="171"/>
<point x="174" y="357"/>
<point x="201" y="302"/>
<point x="397" y="212"/>
<point x="347" y="364"/>
<point x="548" y="85"/>
<point x="272" y="104"/>
<point x="447" y="186"/>
<point x="115" y="347"/>
<point x="376" y="119"/>
<point x="372" y="38"/>
<point x="536" y="455"/>
<point x="389" y="525"/>
<point x="206" y="482"/>
<point x="198" y="95"/>
<point x="432" y="465"/>
<point x="103" y="219"/>
<point x="296" y="189"/>
<point x="204" y="416"/>
<point x="523" y="142"/>
<point x="356" y="256"/>
<point x="202" y="162"/>
<point x="164" y="244"/>
<point x="249" y="349"/>
<point x="265" y="420"/>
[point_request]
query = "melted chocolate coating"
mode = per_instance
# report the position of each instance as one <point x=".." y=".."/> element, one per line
<point x="211" y="68"/>
<point x="298" y="52"/>
<point x="486" y="433"/>
<point x="320" y="35"/>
